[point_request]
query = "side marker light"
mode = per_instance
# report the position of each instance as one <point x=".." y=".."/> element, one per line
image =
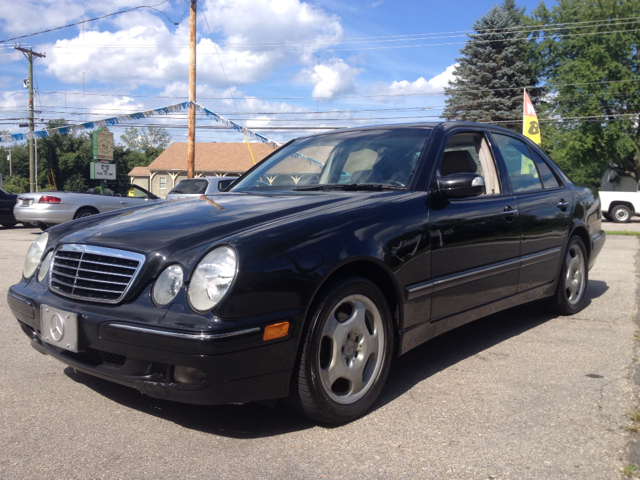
<point x="276" y="330"/>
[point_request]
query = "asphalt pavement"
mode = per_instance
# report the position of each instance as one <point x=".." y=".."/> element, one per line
<point x="518" y="395"/>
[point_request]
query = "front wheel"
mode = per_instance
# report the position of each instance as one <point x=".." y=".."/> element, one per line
<point x="621" y="214"/>
<point x="346" y="352"/>
<point x="574" y="277"/>
<point x="84" y="212"/>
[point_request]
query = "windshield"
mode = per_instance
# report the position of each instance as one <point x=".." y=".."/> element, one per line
<point x="384" y="156"/>
<point x="191" y="187"/>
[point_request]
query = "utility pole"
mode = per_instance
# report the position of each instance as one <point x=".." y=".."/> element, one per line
<point x="9" y="159"/>
<point x="29" y="53"/>
<point x="191" y="143"/>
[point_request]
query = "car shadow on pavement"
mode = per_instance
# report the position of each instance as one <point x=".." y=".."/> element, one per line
<point x="254" y="420"/>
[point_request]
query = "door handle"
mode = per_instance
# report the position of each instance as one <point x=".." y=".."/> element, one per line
<point x="508" y="211"/>
<point x="562" y="204"/>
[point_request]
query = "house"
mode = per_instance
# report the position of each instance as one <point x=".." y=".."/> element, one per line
<point x="211" y="159"/>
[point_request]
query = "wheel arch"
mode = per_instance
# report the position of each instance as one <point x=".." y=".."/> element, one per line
<point x="581" y="231"/>
<point x="85" y="207"/>
<point x="616" y="203"/>
<point x="371" y="269"/>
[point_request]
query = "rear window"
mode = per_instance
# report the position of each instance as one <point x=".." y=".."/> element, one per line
<point x="191" y="187"/>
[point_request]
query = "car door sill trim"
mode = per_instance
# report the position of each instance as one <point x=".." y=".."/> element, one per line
<point x="427" y="288"/>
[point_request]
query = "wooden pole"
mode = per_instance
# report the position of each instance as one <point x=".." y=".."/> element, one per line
<point x="191" y="143"/>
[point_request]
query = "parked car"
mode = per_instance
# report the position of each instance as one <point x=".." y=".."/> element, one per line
<point x="193" y="187"/>
<point x="52" y="208"/>
<point x="295" y="285"/>
<point x="620" y="206"/>
<point x="7" y="202"/>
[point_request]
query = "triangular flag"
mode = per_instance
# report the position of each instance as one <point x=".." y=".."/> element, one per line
<point x="530" y="125"/>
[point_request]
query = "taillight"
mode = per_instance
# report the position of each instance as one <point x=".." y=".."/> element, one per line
<point x="49" y="199"/>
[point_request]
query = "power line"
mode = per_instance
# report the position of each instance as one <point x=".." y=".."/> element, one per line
<point x="86" y="21"/>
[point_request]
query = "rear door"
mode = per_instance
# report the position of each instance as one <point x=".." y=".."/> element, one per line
<point x="544" y="204"/>
<point x="475" y="241"/>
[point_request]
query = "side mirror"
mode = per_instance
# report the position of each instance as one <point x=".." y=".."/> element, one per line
<point x="460" y="185"/>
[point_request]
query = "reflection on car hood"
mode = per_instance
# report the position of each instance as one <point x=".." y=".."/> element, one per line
<point x="197" y="221"/>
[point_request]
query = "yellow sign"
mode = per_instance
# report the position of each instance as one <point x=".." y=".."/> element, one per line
<point x="530" y="125"/>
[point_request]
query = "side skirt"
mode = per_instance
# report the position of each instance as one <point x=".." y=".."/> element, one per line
<point x="418" y="334"/>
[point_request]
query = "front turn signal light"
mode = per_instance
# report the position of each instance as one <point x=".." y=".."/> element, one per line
<point x="276" y="330"/>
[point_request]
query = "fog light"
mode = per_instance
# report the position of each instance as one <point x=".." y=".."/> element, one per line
<point x="187" y="375"/>
<point x="276" y="330"/>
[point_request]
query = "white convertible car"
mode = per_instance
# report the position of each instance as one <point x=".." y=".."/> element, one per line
<point x="52" y="208"/>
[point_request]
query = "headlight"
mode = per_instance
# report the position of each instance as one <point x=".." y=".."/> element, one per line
<point x="35" y="254"/>
<point x="212" y="278"/>
<point x="44" y="268"/>
<point x="167" y="285"/>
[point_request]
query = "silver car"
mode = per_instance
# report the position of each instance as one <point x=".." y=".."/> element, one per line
<point x="52" y="208"/>
<point x="194" y="187"/>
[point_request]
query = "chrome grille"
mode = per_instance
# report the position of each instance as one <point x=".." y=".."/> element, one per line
<point x="96" y="274"/>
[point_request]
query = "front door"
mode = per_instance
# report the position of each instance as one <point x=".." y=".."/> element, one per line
<point x="475" y="241"/>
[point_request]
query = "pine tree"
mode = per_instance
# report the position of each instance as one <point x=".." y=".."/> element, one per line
<point x="493" y="70"/>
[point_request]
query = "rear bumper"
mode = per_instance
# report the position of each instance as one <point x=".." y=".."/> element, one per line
<point x="597" y="242"/>
<point x="46" y="213"/>
<point x="230" y="367"/>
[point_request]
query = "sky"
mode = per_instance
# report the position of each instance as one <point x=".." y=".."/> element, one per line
<point x="283" y="68"/>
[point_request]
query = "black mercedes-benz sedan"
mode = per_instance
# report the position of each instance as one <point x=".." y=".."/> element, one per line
<point x="331" y="256"/>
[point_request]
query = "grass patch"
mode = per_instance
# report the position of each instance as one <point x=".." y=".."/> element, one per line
<point x="622" y="232"/>
<point x="629" y="470"/>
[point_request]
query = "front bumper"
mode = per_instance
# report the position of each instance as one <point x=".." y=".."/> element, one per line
<point x="232" y="365"/>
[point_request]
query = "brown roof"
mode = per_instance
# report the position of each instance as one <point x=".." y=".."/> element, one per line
<point x="211" y="157"/>
<point x="139" y="171"/>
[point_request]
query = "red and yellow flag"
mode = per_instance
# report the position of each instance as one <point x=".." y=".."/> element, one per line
<point x="530" y="125"/>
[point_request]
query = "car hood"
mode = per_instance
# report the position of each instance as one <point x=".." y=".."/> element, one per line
<point x="184" y="224"/>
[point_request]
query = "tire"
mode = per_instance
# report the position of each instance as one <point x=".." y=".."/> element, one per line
<point x="621" y="214"/>
<point x="8" y="225"/>
<point x="30" y="224"/>
<point x="84" y="212"/>
<point x="346" y="352"/>
<point x="44" y="226"/>
<point x="606" y="216"/>
<point x="571" y="291"/>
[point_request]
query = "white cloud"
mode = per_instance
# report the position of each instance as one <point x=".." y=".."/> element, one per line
<point x="257" y="38"/>
<point x="330" y="78"/>
<point x="436" y="84"/>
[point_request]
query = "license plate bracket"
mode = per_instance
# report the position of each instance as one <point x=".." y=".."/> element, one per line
<point x="59" y="328"/>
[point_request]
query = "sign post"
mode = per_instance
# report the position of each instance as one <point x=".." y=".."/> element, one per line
<point x="103" y="153"/>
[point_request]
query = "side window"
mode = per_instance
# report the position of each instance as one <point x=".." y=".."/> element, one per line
<point x="470" y="153"/>
<point x="134" y="191"/>
<point x="549" y="180"/>
<point x="519" y="162"/>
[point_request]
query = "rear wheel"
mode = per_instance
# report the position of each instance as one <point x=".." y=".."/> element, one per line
<point x="574" y="277"/>
<point x="8" y="225"/>
<point x="621" y="214"/>
<point x="84" y="212"/>
<point x="346" y="352"/>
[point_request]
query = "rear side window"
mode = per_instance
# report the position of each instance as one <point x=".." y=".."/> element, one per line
<point x="549" y="180"/>
<point x="191" y="187"/>
<point x="519" y="162"/>
<point x="224" y="184"/>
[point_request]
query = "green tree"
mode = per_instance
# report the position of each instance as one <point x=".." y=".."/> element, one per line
<point x="493" y="70"/>
<point x="588" y="53"/>
<point x="146" y="139"/>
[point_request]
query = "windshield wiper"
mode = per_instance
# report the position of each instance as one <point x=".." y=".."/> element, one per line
<point x="352" y="187"/>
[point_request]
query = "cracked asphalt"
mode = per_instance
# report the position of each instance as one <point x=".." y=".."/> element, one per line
<point x="518" y="395"/>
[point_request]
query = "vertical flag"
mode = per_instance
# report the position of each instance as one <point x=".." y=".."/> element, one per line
<point x="530" y="125"/>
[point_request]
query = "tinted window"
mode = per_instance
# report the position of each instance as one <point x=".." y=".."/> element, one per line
<point x="196" y="186"/>
<point x="519" y="162"/>
<point x="223" y="184"/>
<point x="549" y="180"/>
